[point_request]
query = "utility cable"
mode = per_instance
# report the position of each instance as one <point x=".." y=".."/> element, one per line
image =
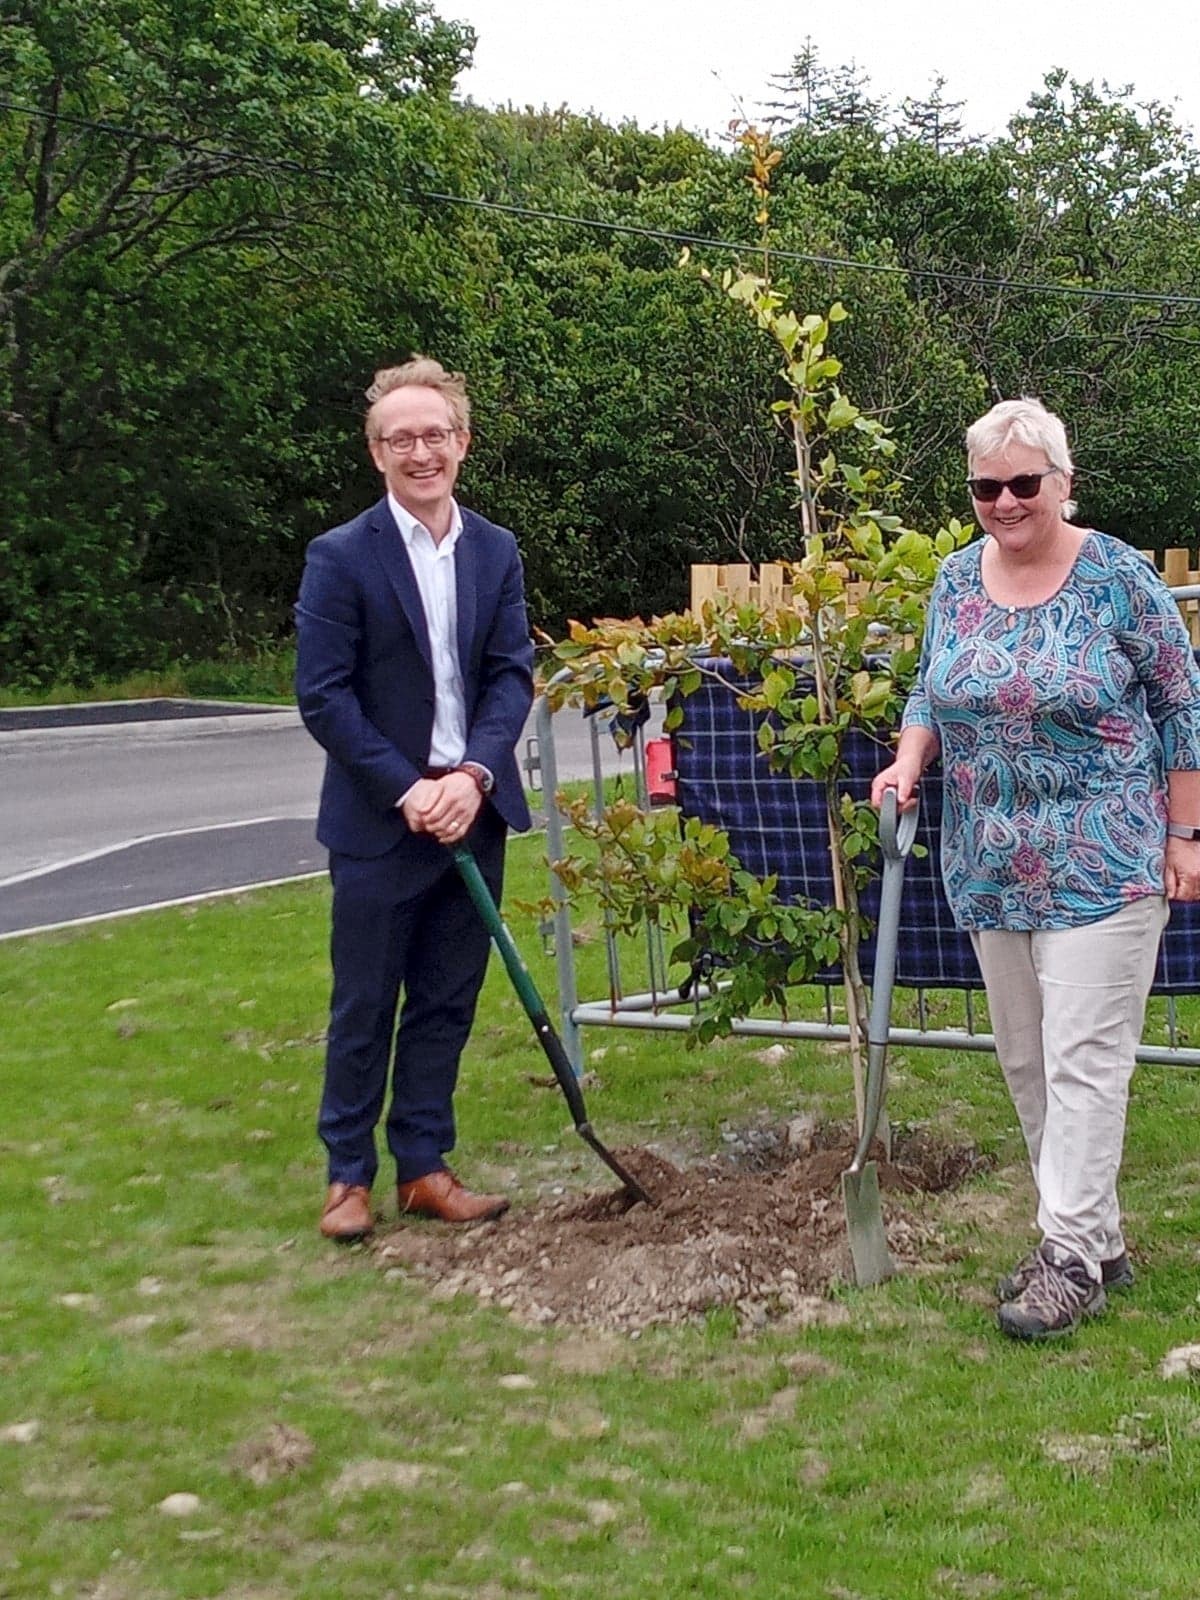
<point x="1019" y="285"/>
<point x="629" y="229"/>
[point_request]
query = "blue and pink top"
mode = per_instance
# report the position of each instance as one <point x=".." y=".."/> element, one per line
<point x="1058" y="723"/>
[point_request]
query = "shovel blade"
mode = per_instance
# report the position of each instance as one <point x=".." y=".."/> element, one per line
<point x="636" y="1190"/>
<point x="864" y="1227"/>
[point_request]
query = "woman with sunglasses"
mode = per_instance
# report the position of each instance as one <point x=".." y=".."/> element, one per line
<point x="1057" y="685"/>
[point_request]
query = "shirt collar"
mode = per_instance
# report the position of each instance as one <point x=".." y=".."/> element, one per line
<point x="408" y="524"/>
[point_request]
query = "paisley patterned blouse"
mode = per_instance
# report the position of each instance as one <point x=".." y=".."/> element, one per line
<point x="1057" y="725"/>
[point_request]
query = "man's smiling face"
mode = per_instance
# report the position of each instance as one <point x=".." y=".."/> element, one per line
<point x="420" y="475"/>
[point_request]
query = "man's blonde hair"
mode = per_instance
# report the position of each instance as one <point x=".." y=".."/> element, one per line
<point x="424" y="373"/>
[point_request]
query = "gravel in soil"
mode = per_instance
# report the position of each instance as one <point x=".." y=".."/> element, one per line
<point x="759" y="1228"/>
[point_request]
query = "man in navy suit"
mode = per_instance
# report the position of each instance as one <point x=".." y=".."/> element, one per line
<point x="414" y="672"/>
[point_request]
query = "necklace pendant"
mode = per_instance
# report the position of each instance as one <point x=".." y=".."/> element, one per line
<point x="1012" y="616"/>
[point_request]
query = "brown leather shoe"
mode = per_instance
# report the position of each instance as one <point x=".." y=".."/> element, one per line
<point x="439" y="1194"/>
<point x="347" y="1215"/>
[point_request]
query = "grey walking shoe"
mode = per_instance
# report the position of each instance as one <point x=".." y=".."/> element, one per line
<point x="1116" y="1273"/>
<point x="1057" y="1297"/>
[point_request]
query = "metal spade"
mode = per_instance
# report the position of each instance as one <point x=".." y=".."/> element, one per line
<point x="860" y="1182"/>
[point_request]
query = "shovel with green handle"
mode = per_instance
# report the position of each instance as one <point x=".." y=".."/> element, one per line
<point x="535" y="1010"/>
<point x="860" y="1182"/>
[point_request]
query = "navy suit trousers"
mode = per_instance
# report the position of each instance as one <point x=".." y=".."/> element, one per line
<point x="408" y="925"/>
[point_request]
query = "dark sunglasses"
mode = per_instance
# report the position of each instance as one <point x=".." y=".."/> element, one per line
<point x="1026" y="485"/>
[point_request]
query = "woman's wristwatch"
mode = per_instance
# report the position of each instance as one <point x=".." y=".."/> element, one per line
<point x="1181" y="830"/>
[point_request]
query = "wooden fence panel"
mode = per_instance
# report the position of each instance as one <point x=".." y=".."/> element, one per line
<point x="767" y="588"/>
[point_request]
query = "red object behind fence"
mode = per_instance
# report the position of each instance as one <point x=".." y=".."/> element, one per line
<point x="660" y="772"/>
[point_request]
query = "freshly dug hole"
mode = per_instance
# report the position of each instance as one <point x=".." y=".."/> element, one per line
<point x="760" y="1229"/>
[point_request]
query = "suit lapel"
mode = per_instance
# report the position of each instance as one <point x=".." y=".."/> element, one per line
<point x="389" y="547"/>
<point x="466" y="584"/>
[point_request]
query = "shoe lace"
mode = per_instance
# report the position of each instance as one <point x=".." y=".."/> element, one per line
<point x="1052" y="1292"/>
<point x="1022" y="1274"/>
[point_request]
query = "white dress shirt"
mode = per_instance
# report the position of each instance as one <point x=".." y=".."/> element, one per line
<point x="433" y="566"/>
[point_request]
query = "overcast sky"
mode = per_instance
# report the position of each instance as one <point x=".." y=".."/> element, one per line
<point x="696" y="61"/>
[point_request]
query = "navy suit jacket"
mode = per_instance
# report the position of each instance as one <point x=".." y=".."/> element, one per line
<point x="364" y="679"/>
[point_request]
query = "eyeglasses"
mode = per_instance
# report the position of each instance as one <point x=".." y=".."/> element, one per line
<point x="403" y="444"/>
<point x="1025" y="486"/>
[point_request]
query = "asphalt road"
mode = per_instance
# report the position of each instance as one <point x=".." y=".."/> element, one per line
<point x="105" y="817"/>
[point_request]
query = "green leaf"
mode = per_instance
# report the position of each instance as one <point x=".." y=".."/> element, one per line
<point x="777" y="685"/>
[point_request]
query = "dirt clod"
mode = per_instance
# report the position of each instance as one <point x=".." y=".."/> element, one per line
<point x="282" y="1449"/>
<point x="20" y="1432"/>
<point x="758" y="1228"/>
<point x="1182" y="1362"/>
<point x="362" y="1477"/>
<point x="180" y="1505"/>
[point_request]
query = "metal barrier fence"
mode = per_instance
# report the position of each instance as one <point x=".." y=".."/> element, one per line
<point x="650" y="1002"/>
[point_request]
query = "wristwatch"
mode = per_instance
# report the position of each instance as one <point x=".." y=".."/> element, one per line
<point x="486" y="783"/>
<point x="1181" y="830"/>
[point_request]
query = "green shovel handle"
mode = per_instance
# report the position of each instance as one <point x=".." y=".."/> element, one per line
<point x="535" y="1007"/>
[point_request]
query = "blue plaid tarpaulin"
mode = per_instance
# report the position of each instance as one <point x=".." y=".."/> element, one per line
<point x="776" y="824"/>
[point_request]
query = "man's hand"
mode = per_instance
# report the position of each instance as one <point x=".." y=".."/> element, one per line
<point x="417" y="802"/>
<point x="444" y="807"/>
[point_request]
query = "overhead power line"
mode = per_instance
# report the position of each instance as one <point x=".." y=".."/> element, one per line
<point x="629" y="229"/>
<point x="938" y="274"/>
<point x="159" y="136"/>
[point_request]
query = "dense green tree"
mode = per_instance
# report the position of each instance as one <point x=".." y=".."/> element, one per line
<point x="178" y="177"/>
<point x="1107" y="196"/>
<point x="218" y="222"/>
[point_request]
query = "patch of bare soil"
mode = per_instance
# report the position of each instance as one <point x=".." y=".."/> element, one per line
<point x="282" y="1449"/>
<point x="759" y="1228"/>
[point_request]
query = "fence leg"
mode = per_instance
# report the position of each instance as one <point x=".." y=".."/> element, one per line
<point x="564" y="947"/>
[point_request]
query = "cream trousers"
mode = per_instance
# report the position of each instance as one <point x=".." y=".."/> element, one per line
<point x="1067" y="1007"/>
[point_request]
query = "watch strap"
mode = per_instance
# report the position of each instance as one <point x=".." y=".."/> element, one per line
<point x="484" y="781"/>
<point x="1182" y="830"/>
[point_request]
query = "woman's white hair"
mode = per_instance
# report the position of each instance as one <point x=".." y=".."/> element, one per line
<point x="1029" y="423"/>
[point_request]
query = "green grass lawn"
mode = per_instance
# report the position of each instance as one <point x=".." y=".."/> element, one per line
<point x="165" y="1299"/>
<point x="263" y="675"/>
